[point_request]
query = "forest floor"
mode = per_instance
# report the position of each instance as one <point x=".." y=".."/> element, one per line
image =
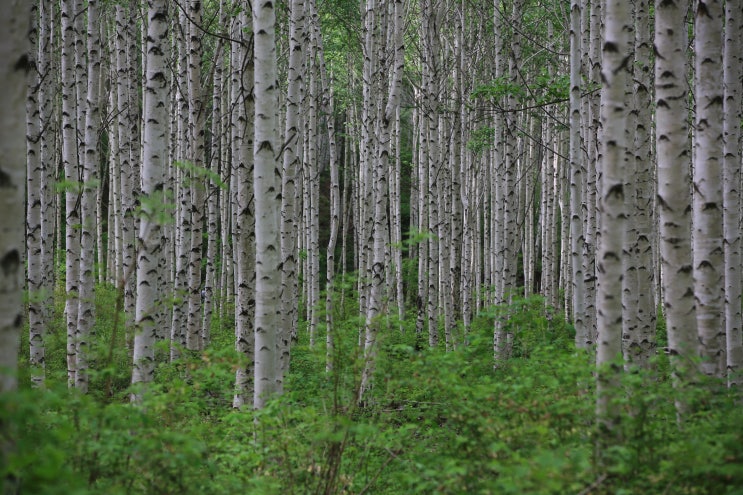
<point x="434" y="422"/>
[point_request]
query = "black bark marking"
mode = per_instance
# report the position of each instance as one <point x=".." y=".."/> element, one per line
<point x="610" y="46"/>
<point x="10" y="262"/>
<point x="702" y="10"/>
<point x="5" y="180"/>
<point x="616" y="190"/>
<point x="22" y="64"/>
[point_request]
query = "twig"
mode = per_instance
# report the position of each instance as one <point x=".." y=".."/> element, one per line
<point x="594" y="485"/>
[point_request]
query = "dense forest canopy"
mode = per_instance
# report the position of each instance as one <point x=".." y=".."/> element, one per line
<point x="371" y="247"/>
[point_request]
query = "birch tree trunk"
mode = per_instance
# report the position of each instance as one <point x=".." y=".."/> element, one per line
<point x="14" y="65"/>
<point x="86" y="308"/>
<point x="576" y="180"/>
<point x="380" y="232"/>
<point x="154" y="154"/>
<point x="215" y="194"/>
<point x="242" y="149"/>
<point x="35" y="122"/>
<point x="614" y="110"/>
<point x="197" y="119"/>
<point x="127" y="127"/>
<point x="640" y="344"/>
<point x="591" y="226"/>
<point x="674" y="177"/>
<point x="707" y="206"/>
<point x="733" y="73"/>
<point x="267" y="187"/>
<point x="290" y="170"/>
<point x="48" y="156"/>
<point x="72" y="181"/>
<point x="328" y="110"/>
<point x="183" y="183"/>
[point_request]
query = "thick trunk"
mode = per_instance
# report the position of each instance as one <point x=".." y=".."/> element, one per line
<point x="674" y="202"/>
<point x="154" y="154"/>
<point x="267" y="190"/>
<point x="707" y="206"/>
<point x="13" y="53"/>
<point x="614" y="112"/>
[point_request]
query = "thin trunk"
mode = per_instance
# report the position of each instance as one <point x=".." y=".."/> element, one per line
<point x="732" y="200"/>
<point x="72" y="180"/>
<point x="576" y="180"/>
<point x="290" y="170"/>
<point x="196" y="139"/>
<point x="34" y="124"/>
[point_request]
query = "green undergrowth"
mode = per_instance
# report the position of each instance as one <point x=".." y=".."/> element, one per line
<point x="433" y="422"/>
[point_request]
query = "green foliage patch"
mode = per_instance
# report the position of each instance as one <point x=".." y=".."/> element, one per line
<point x="434" y="421"/>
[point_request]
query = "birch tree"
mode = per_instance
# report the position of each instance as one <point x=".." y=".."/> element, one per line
<point x="127" y="128"/>
<point x="154" y="154"/>
<point x="731" y="188"/>
<point x="34" y="171"/>
<point x="70" y="162"/>
<point x="707" y="206"/>
<point x="13" y="72"/>
<point x="196" y="139"/>
<point x="290" y="171"/>
<point x="674" y="177"/>
<point x="377" y="268"/>
<point x="242" y="209"/>
<point x="48" y="156"/>
<point x="616" y="52"/>
<point x="267" y="190"/>
<point x="86" y="308"/>
<point x="576" y="179"/>
<point x="639" y="332"/>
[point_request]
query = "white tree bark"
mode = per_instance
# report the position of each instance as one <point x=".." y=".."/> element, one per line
<point x="183" y="182"/>
<point x="243" y="221"/>
<point x="48" y="157"/>
<point x="196" y="130"/>
<point x="674" y="201"/>
<point x="14" y="64"/>
<point x="154" y="154"/>
<point x="614" y="110"/>
<point x="72" y="181"/>
<point x="267" y="190"/>
<point x="576" y="180"/>
<point x="215" y="192"/>
<point x="707" y="205"/>
<point x="327" y="108"/>
<point x="381" y="161"/>
<point x="35" y="121"/>
<point x="86" y="308"/>
<point x="639" y="344"/>
<point x="127" y="127"/>
<point x="290" y="173"/>
<point x="733" y="73"/>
